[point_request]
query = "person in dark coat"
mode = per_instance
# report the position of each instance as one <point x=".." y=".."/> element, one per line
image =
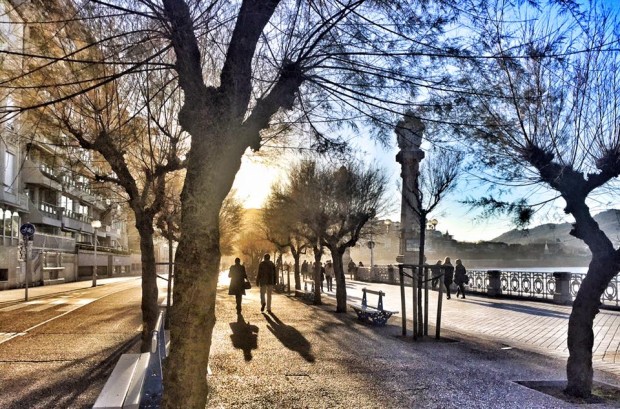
<point x="237" y="276"/>
<point x="436" y="274"/>
<point x="448" y="275"/>
<point x="266" y="279"/>
<point x="460" y="278"/>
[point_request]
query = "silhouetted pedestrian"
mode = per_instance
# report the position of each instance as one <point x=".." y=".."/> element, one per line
<point x="304" y="270"/>
<point x="436" y="274"/>
<point x="460" y="278"/>
<point x="266" y="279"/>
<point x="238" y="277"/>
<point x="448" y="275"/>
<point x="329" y="275"/>
<point x="352" y="268"/>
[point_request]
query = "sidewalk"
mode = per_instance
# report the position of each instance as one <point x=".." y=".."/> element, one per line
<point x="305" y="356"/>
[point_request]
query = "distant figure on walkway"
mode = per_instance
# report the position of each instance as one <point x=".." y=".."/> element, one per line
<point x="448" y="275"/>
<point x="266" y="279"/>
<point x="237" y="279"/>
<point x="460" y="278"/>
<point x="329" y="275"/>
<point x="352" y="268"/>
<point x="436" y="274"/>
<point x="304" y="269"/>
<point x="322" y="273"/>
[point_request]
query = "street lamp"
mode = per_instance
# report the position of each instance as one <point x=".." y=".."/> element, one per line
<point x="96" y="224"/>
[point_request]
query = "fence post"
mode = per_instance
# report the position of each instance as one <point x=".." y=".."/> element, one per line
<point x="403" y="305"/>
<point x="495" y="283"/>
<point x="562" y="293"/>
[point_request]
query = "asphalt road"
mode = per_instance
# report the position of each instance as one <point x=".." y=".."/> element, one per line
<point x="57" y="351"/>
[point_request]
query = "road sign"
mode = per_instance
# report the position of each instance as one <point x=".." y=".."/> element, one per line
<point x="27" y="230"/>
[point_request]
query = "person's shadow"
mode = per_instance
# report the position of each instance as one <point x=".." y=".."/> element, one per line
<point x="290" y="337"/>
<point x="244" y="336"/>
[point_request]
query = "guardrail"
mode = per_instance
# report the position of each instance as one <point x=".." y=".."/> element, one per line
<point x="558" y="287"/>
<point x="137" y="379"/>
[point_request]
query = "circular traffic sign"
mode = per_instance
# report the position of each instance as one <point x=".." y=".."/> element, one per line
<point x="27" y="229"/>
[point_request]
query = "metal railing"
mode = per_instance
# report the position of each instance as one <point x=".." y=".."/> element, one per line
<point x="523" y="284"/>
<point x="529" y="285"/>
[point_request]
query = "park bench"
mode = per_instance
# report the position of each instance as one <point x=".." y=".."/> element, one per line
<point x="136" y="378"/>
<point x="372" y="315"/>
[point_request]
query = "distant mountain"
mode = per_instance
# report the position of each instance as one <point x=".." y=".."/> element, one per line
<point x="608" y="221"/>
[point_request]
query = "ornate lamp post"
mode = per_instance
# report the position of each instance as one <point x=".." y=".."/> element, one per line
<point x="96" y="225"/>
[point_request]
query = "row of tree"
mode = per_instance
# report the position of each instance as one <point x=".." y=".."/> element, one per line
<point x="323" y="207"/>
<point x="530" y="88"/>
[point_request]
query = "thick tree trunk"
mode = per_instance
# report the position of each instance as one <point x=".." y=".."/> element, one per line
<point x="341" y="288"/>
<point x="150" y="309"/>
<point x="580" y="334"/>
<point x="211" y="170"/>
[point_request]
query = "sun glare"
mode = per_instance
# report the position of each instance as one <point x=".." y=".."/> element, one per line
<point x="253" y="182"/>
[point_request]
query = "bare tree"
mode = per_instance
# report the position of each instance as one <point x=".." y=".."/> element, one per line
<point x="242" y="67"/>
<point x="283" y="227"/>
<point x="544" y="112"/>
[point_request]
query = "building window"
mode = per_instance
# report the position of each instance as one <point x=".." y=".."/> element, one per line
<point x="9" y="171"/>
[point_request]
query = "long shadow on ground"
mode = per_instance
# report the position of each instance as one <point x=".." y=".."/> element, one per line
<point x="244" y="336"/>
<point x="290" y="337"/>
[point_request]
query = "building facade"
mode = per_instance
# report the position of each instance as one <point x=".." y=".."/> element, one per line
<point x="42" y="186"/>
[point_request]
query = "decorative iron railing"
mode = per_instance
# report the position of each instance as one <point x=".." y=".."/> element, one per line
<point x="525" y="284"/>
<point x="519" y="284"/>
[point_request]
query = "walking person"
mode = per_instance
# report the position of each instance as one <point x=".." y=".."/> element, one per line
<point x="238" y="277"/>
<point x="436" y="274"/>
<point x="352" y="267"/>
<point x="329" y="275"/>
<point x="460" y="278"/>
<point x="322" y="272"/>
<point x="266" y="279"/>
<point x="448" y="275"/>
<point x="304" y="269"/>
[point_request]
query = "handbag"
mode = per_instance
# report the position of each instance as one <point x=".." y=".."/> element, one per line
<point x="466" y="279"/>
<point x="247" y="285"/>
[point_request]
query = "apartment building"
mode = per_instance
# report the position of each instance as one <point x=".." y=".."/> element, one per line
<point x="43" y="186"/>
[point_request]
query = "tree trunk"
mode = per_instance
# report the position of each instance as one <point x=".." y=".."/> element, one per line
<point x="296" y="256"/>
<point x="150" y="309"/>
<point x="580" y="334"/>
<point x="341" y="289"/>
<point x="212" y="165"/>
<point x="317" y="277"/>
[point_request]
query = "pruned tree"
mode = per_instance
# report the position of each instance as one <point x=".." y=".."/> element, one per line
<point x="331" y="207"/>
<point x="243" y="67"/>
<point x="283" y="228"/>
<point x="543" y="111"/>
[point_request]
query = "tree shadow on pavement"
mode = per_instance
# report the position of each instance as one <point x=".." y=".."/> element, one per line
<point x="290" y="337"/>
<point x="244" y="336"/>
<point x="526" y="309"/>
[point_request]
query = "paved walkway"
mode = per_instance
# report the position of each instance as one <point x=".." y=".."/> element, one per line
<point x="305" y="356"/>
<point x="529" y="325"/>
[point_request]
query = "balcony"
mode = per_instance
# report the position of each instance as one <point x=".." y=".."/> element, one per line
<point x="44" y="213"/>
<point x="15" y="199"/>
<point x="39" y="174"/>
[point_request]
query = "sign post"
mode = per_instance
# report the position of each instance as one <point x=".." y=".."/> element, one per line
<point x="27" y="230"/>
